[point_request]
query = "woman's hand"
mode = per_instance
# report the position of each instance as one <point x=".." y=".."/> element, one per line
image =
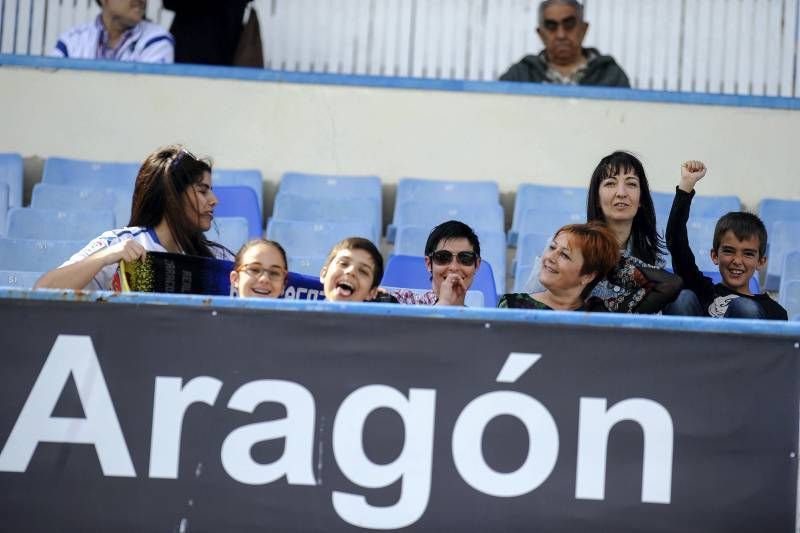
<point x="127" y="251"/>
<point x="452" y="291"/>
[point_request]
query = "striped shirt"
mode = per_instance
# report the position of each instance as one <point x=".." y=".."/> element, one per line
<point x="145" y="43"/>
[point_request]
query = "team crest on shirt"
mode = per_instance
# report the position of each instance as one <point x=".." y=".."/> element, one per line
<point x="96" y="245"/>
<point x="719" y="306"/>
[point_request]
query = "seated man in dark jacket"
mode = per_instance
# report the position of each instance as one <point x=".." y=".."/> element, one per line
<point x="564" y="60"/>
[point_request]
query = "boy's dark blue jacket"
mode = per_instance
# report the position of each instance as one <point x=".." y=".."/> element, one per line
<point x="713" y="297"/>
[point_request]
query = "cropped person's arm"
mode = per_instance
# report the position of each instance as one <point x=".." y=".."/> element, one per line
<point x="662" y="289"/>
<point x="79" y="274"/>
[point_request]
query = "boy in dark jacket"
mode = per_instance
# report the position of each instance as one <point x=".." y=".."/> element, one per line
<point x="740" y="243"/>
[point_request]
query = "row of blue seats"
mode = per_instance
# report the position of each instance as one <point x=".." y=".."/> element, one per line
<point x="308" y="206"/>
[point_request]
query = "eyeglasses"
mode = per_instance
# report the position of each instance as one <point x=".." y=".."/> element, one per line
<point x="179" y="156"/>
<point x="444" y="257"/>
<point x="568" y="24"/>
<point x="274" y="274"/>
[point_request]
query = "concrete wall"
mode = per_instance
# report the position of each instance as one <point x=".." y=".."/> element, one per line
<point x="528" y="134"/>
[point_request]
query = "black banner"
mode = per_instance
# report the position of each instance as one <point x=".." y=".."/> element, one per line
<point x="122" y="417"/>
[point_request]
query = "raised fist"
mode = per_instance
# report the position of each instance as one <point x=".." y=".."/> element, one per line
<point x="691" y="172"/>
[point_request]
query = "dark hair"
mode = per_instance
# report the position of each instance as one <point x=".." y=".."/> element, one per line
<point x="646" y="243"/>
<point x="571" y="3"/>
<point x="452" y="229"/>
<point x="743" y="225"/>
<point x="237" y="261"/>
<point x="359" y="243"/>
<point x="599" y="249"/>
<point x="159" y="195"/>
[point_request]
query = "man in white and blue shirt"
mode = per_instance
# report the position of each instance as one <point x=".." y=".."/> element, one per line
<point x="119" y="33"/>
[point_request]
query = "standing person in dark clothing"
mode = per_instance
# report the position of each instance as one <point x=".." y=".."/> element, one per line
<point x="740" y="244"/>
<point x="564" y="60"/>
<point x="206" y="31"/>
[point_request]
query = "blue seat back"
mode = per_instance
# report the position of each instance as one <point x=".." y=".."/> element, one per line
<point x="51" y="224"/>
<point x="701" y="240"/>
<point x="771" y="210"/>
<point x="315" y="239"/>
<point x="790" y="299"/>
<point x="307" y="265"/>
<point x="11" y="175"/>
<point x="480" y="217"/>
<point x="83" y="198"/>
<point x="239" y="201"/>
<point x="304" y="209"/>
<point x="548" y="222"/>
<point x="791" y="269"/>
<point x="335" y="187"/>
<point x="230" y="232"/>
<point x="36" y="255"/>
<point x="19" y="279"/>
<point x="68" y="171"/>
<point x="3" y="208"/>
<point x="246" y="177"/>
<point x="409" y="272"/>
<point x="545" y="198"/>
<point x="411" y="241"/>
<point x="783" y="239"/>
<point x="530" y="247"/>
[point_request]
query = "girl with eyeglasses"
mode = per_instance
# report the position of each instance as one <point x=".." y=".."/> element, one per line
<point x="172" y="208"/>
<point x="260" y="270"/>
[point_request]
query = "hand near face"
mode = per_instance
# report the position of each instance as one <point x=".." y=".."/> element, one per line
<point x="127" y="251"/>
<point x="452" y="291"/>
<point x="691" y="172"/>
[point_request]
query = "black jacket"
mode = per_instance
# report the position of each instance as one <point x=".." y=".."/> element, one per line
<point x="714" y="298"/>
<point x="601" y="70"/>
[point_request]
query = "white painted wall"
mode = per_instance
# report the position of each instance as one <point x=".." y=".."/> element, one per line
<point x="278" y="127"/>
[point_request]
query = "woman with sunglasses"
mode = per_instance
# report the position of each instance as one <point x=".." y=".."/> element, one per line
<point x="260" y="270"/>
<point x="172" y="207"/>
<point x="452" y="256"/>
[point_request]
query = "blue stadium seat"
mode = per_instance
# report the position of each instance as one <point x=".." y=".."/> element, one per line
<point x="246" y="177"/>
<point x="701" y="240"/>
<point x="790" y="299"/>
<point x="521" y="275"/>
<point x="314" y="239"/>
<point x="32" y="223"/>
<point x="36" y="255"/>
<point x="11" y="175"/>
<point x="546" y="198"/>
<point x="230" y="232"/>
<point x="411" y="241"/>
<point x="662" y="202"/>
<point x="3" y="208"/>
<point x="547" y="222"/>
<point x="782" y="239"/>
<point x="239" y="201"/>
<point x="480" y="217"/>
<point x="451" y="193"/>
<point x="300" y="208"/>
<point x="409" y="272"/>
<point x="19" y="279"/>
<point x="307" y="265"/>
<point x="530" y="247"/>
<point x="771" y="210"/>
<point x="334" y="186"/>
<point x="791" y="267"/>
<point x="83" y="198"/>
<point x="90" y="173"/>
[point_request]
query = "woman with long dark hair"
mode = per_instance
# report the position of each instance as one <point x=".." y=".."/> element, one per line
<point x="173" y="205"/>
<point x="619" y="195"/>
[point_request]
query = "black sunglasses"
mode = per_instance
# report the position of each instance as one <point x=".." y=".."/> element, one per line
<point x="444" y="257"/>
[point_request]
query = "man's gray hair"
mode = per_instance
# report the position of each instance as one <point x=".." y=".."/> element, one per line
<point x="572" y="3"/>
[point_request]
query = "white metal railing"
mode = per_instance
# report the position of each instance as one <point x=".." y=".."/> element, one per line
<point x="721" y="46"/>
